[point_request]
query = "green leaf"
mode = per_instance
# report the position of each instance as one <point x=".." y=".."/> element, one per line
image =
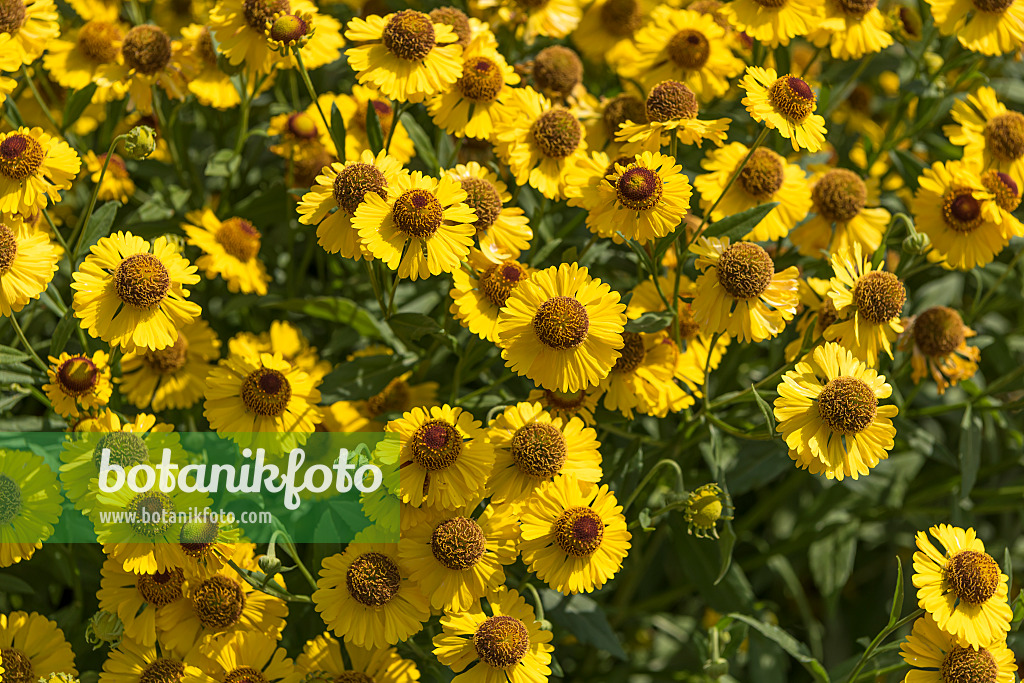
<point x="12" y="584"/>
<point x="645" y="519"/>
<point x="584" y="618"/>
<point x="411" y="326"/>
<point x="970" y="451"/>
<point x="726" y="543"/>
<point x="374" y="132"/>
<point x="736" y="226"/>
<point x="424" y="147"/>
<point x="831" y="558"/>
<point x="76" y="104"/>
<point x="335" y="309"/>
<point x="766" y="410"/>
<point x="361" y="378"/>
<point x="652" y="321"/>
<point x="1018" y="610"/>
<point x="62" y="333"/>
<point x="223" y="164"/>
<point x="9" y="355"/>
<point x="19" y="373"/>
<point x="791" y="645"/>
<point x="338" y="130"/>
<point x="98" y="225"/>
<point x="897" y="596"/>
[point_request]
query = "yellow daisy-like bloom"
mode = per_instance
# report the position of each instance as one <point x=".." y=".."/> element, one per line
<point x="406" y="55"/>
<point x="131" y="294"/>
<point x="245" y="655"/>
<point x="818" y="311"/>
<point x="10" y="61"/>
<point x="298" y="131"/>
<point x="566" y="406"/>
<point x="322" y="659"/>
<point x="457" y="558"/>
<point x="935" y="656"/>
<point x="868" y="302"/>
<point x="992" y="135"/>
<point x="562" y="328"/>
<point x="784" y="103"/>
<point x="541" y="143"/>
<point x="851" y="29"/>
<point x="506" y="644"/>
<point x="551" y="19"/>
<point x="231" y="249"/>
<point x="502" y="232"/>
<point x="78" y="383"/>
<point x="960" y="215"/>
<point x="149" y="57"/>
<point x="671" y="109"/>
<point x="773" y="22"/>
<point x="478" y="297"/>
<point x="32" y="644"/>
<point x="134" y="661"/>
<point x="104" y="10"/>
<point x="175" y="376"/>
<point x="117" y="181"/>
<point x="991" y="27"/>
<point x="585" y="182"/>
<point x="766" y="177"/>
<point x="137" y="598"/>
<point x="962" y="587"/>
<point x="686" y="46"/>
<point x="829" y="416"/>
<point x="29" y="508"/>
<point x="339" y="191"/>
<point x="353" y="110"/>
<point x="532" y="447"/>
<point x="469" y="108"/>
<point x="938" y="340"/>
<point x="843" y="217"/>
<point x="423" y="228"/>
<point x="31" y="25"/>
<point x="365" y="596"/>
<point x="601" y="118"/>
<point x="75" y="60"/>
<point x="211" y="86"/>
<point x="643" y="377"/>
<point x="34" y="167"/>
<point x="287" y="340"/>
<point x="574" y="535"/>
<point x="739" y="292"/>
<point x="607" y="27"/>
<point x="28" y="261"/>
<point x="443" y="457"/>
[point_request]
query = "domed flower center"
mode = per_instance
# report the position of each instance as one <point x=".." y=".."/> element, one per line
<point x="856" y="8"/>
<point x="689" y="328"/>
<point x="98" y="41"/>
<point x="501" y="641"/>
<point x="910" y="22"/>
<point x="1003" y="187"/>
<point x="17" y="666"/>
<point x="161" y="588"/>
<point x="77" y="375"/>
<point x="993" y="6"/>
<point x="671" y="101"/>
<point x="967" y="665"/>
<point x="142" y="281"/>
<point x="557" y="69"/>
<point x="409" y="35"/>
<point x="839" y="195"/>
<point x="847" y="405"/>
<point x="126" y="450"/>
<point x="12" y="16"/>
<point x="259" y="12"/>
<point x="288" y="29"/>
<point x="689" y="49"/>
<point x="539" y="450"/>
<point x="352" y="676"/>
<point x="302" y="125"/>
<point x="417" y="213"/>
<point x="792" y="97"/>
<point x="392" y="399"/>
<point x="579" y="531"/>
<point x="354" y="181"/>
<point x="153" y="513"/>
<point x="618" y="165"/>
<point x="21" y="156"/>
<point x="245" y="674"/>
<point x="8" y="248"/>
<point x="621" y="17"/>
<point x="972" y="576"/>
<point x="436" y="445"/>
<point x="771" y="4"/>
<point x="621" y="109"/>
<point x="498" y="281"/>
<point x="458" y="543"/>
<point x="163" y="671"/>
<point x="561" y="323"/>
<point x="633" y="352"/>
<point x="482" y="80"/>
<point x="373" y="579"/>
<point x="170" y="359"/>
<point x="938" y="331"/>
<point x="205" y="47"/>
<point x="385" y="115"/>
<point x="961" y="210"/>
<point x="557" y="133"/>
<point x="266" y="392"/>
<point x="10" y="500"/>
<point x="745" y="270"/>
<point x="239" y="238"/>
<point x="568" y="403"/>
<point x="146" y="49"/>
<point x="639" y="188"/>
<point x="483" y="197"/>
<point x="763" y="174"/>
<point x="1004" y="136"/>
<point x="218" y="602"/>
<point x="456" y="19"/>
<point x="879" y="296"/>
<point x="196" y="537"/>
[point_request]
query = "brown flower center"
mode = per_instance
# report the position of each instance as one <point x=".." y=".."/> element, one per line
<point x="392" y="399"/>
<point x="856" y="8"/>
<point x="621" y="17"/>
<point x="688" y="325"/>
<point x="266" y="392"/>
<point x="161" y="588"/>
<point x="142" y="281"/>
<point x="259" y="12"/>
<point x="409" y="35"/>
<point x="353" y="676"/>
<point x="557" y="69"/>
<point x="98" y="41"/>
<point x="436" y="445"/>
<point x="456" y="19"/>
<point x="10" y="500"/>
<point x="502" y="641"/>
<point x="961" y="210"/>
<point x="972" y="576"/>
<point x="763" y="174"/>
<point x="539" y="450"/>
<point x="458" y="543"/>
<point x="21" y="156"/>
<point x="622" y="109"/>
<point x="557" y="133"/>
<point x="633" y="352"/>
<point x="561" y="323"/>
<point x="373" y="579"/>
<point x="163" y="671"/>
<point x="146" y="49"/>
<point x="482" y="80"/>
<point x="639" y="188"/>
<point x="792" y="97"/>
<point x="77" y="375"/>
<point x="239" y="238"/>
<point x="689" y="49"/>
<point x="671" y="101"/>
<point x="938" y="331"/>
<point x="1004" y="136"/>
<point x="1003" y="187"/>
<point x="839" y="195"/>
<point x="967" y="665"/>
<point x="354" y="181"/>
<point x="879" y="296"/>
<point x="771" y="4"/>
<point x="218" y="602"/>
<point x="745" y="270"/>
<point x="8" y="248"/>
<point x="385" y="115"/>
<point x="579" y="531"/>
<point x="847" y="405"/>
<point x="498" y="281"/>
<point x="483" y="197"/>
<point x="170" y="359"/>
<point x="12" y="16"/>
<point x="417" y="213"/>
<point x="993" y="6"/>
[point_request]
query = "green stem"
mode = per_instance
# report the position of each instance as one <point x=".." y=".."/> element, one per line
<point x="312" y="93"/>
<point x="882" y="635"/>
<point x="399" y="110"/>
<point x="39" y="99"/>
<point x="538" y="605"/>
<point x="243" y="126"/>
<point x="707" y="372"/>
<point x="650" y="475"/>
<point x="84" y="220"/>
<point x="976" y="308"/>
<point x="28" y="347"/>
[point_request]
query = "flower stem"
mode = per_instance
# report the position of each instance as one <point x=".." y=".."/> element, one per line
<point x="650" y="475"/>
<point x="312" y="93"/>
<point x="538" y="605"/>
<point x="28" y="347"/>
<point x="39" y="99"/>
<point x="882" y="635"/>
<point x="84" y="220"/>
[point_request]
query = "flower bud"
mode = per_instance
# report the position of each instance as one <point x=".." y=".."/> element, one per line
<point x="916" y="243"/>
<point x="104" y="628"/>
<point x="269" y="565"/>
<point x="140" y="143"/>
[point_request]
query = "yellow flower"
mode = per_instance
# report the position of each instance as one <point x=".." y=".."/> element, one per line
<point x="74" y="61"/>
<point x="937" y="337"/>
<point x="817" y="310"/>
<point x="286" y="339"/>
<point x="574" y="535"/>
<point x="829" y="415"/>
<point x="137" y="598"/>
<point x="29" y="506"/>
<point x="551" y="19"/>
<point x="34" y="167"/>
<point x="470" y="107"/>
<point x="766" y="177"/>
<point x="78" y="383"/>
<point x="931" y="652"/>
<point x="992" y="136"/>
<point x="773" y="22"/>
<point x="671" y="110"/>
<point x="175" y="376"/>
<point x="131" y="294"/>
<point x="501" y="231"/>
<point x="562" y="329"/>
<point x="117" y="181"/>
<point x="843" y="217"/>
<point x="739" y="292"/>
<point x="33" y="643"/>
<point x="134" y="660"/>
<point x="478" y="297"/>
<point x="206" y="81"/>
<point x="31" y="25"/>
<point x="608" y="25"/>
<point x="868" y="302"/>
<point x="991" y="27"/>
<point x="246" y="655"/>
<point x="567" y="405"/>
<point x="231" y="250"/>
<point x="149" y="57"/>
<point x="406" y="55"/>
<point x="851" y="29"/>
<point x="423" y="228"/>
<point x="643" y="377"/>
<point x="322" y="659"/>
<point x="505" y="644"/>
<point x="962" y="587"/>
<point x="785" y="103"/>
<point x="28" y="261"/>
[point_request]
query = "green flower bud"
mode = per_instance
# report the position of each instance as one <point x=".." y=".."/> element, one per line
<point x="104" y="628"/>
<point x="269" y="565"/>
<point x="917" y="243"/>
<point x="140" y="143"/>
